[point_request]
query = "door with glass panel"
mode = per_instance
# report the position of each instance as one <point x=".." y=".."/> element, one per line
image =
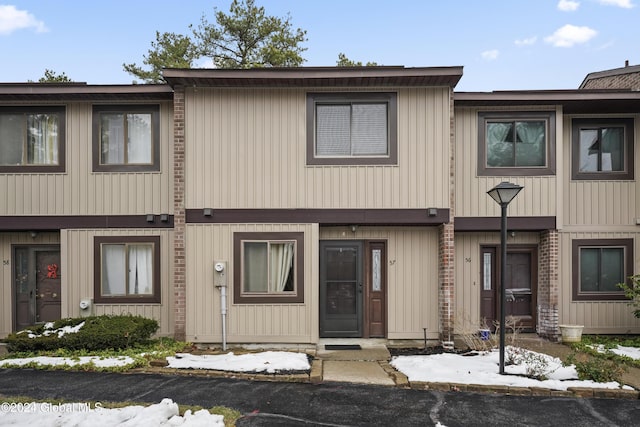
<point x="520" y="286"/>
<point x="352" y="289"/>
<point x="341" y="289"/>
<point x="37" y="285"/>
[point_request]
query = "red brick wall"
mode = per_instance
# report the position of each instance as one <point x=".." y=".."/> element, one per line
<point x="446" y="281"/>
<point x="548" y="286"/>
<point x="179" y="278"/>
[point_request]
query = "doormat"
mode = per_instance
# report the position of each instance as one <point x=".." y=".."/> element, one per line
<point x="342" y="347"/>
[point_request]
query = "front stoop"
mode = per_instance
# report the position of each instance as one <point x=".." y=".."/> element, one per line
<point x="315" y="376"/>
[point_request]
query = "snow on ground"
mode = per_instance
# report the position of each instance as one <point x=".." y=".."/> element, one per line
<point x="267" y="361"/>
<point x="483" y="368"/>
<point x="100" y="362"/>
<point x="632" y="352"/>
<point x="164" y="413"/>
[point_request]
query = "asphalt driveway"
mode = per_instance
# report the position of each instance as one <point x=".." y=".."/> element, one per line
<point x="333" y="404"/>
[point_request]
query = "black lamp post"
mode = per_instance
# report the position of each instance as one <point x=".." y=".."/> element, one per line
<point x="503" y="194"/>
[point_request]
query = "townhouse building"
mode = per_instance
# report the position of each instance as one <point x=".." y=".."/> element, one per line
<point x="283" y="206"/>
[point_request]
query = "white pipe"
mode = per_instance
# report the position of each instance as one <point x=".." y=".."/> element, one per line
<point x="223" y="310"/>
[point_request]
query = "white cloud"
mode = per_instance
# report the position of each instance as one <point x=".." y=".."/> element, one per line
<point x="490" y="55"/>
<point x="526" y="42"/>
<point x="12" y="19"/>
<point x="570" y="35"/>
<point x="568" y="5"/>
<point x="625" y="4"/>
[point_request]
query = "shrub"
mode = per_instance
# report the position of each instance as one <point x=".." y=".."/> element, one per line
<point x="632" y="291"/>
<point x="97" y="333"/>
<point x="596" y="369"/>
<point x="536" y="364"/>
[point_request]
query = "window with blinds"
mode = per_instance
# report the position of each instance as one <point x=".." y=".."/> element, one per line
<point x="358" y="128"/>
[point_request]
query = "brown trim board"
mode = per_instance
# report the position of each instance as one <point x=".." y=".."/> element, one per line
<point x="404" y="217"/>
<point x="516" y="223"/>
<point x="58" y="222"/>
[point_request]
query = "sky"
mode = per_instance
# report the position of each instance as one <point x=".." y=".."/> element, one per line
<point x="502" y="44"/>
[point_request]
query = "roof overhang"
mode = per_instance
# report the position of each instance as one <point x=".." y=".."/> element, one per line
<point x="82" y="92"/>
<point x="572" y="101"/>
<point x="386" y="76"/>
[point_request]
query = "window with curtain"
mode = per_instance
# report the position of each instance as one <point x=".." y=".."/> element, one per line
<point x="32" y="139"/>
<point x="268" y="267"/>
<point x="602" y="149"/>
<point x="516" y="143"/>
<point x="126" y="138"/>
<point x="128" y="269"/>
<point x="351" y="128"/>
<point x="599" y="266"/>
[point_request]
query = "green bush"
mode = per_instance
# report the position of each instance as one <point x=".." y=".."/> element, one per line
<point x="97" y="333"/>
<point x="632" y="291"/>
<point x="597" y="369"/>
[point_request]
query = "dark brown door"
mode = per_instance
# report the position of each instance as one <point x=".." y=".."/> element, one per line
<point x="375" y="290"/>
<point x="520" y="286"/>
<point x="37" y="284"/>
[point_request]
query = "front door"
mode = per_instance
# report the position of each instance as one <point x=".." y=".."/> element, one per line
<point x="37" y="285"/>
<point x="520" y="286"/>
<point x="352" y="289"/>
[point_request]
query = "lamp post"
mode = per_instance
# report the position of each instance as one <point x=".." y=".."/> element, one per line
<point x="503" y="194"/>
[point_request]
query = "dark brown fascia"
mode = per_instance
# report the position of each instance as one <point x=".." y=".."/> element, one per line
<point x="60" y="222"/>
<point x="325" y="217"/>
<point x="573" y="101"/>
<point x="380" y="76"/>
<point x="83" y="92"/>
<point x="516" y="223"/>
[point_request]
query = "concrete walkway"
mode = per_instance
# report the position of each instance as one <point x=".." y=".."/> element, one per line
<point x="370" y="365"/>
<point x="365" y="366"/>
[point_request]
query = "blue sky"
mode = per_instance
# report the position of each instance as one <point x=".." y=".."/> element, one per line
<point x="502" y="44"/>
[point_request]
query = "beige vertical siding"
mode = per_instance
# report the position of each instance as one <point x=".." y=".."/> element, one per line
<point x="77" y="283"/>
<point x="596" y="316"/>
<point x="540" y="195"/>
<point x="599" y="203"/>
<point x="468" y="268"/>
<point x="6" y="276"/>
<point x="252" y="144"/>
<point x="412" y="277"/>
<point x="246" y="323"/>
<point x="412" y="285"/>
<point x="79" y="191"/>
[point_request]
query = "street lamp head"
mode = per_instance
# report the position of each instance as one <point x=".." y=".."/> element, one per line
<point x="504" y="192"/>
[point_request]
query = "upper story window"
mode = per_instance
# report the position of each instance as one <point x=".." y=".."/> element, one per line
<point x="127" y="269"/>
<point x="598" y="267"/>
<point x="602" y="149"/>
<point x="352" y="128"/>
<point x="516" y="143"/>
<point x="268" y="268"/>
<point x="32" y="139"/>
<point x="126" y="138"/>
